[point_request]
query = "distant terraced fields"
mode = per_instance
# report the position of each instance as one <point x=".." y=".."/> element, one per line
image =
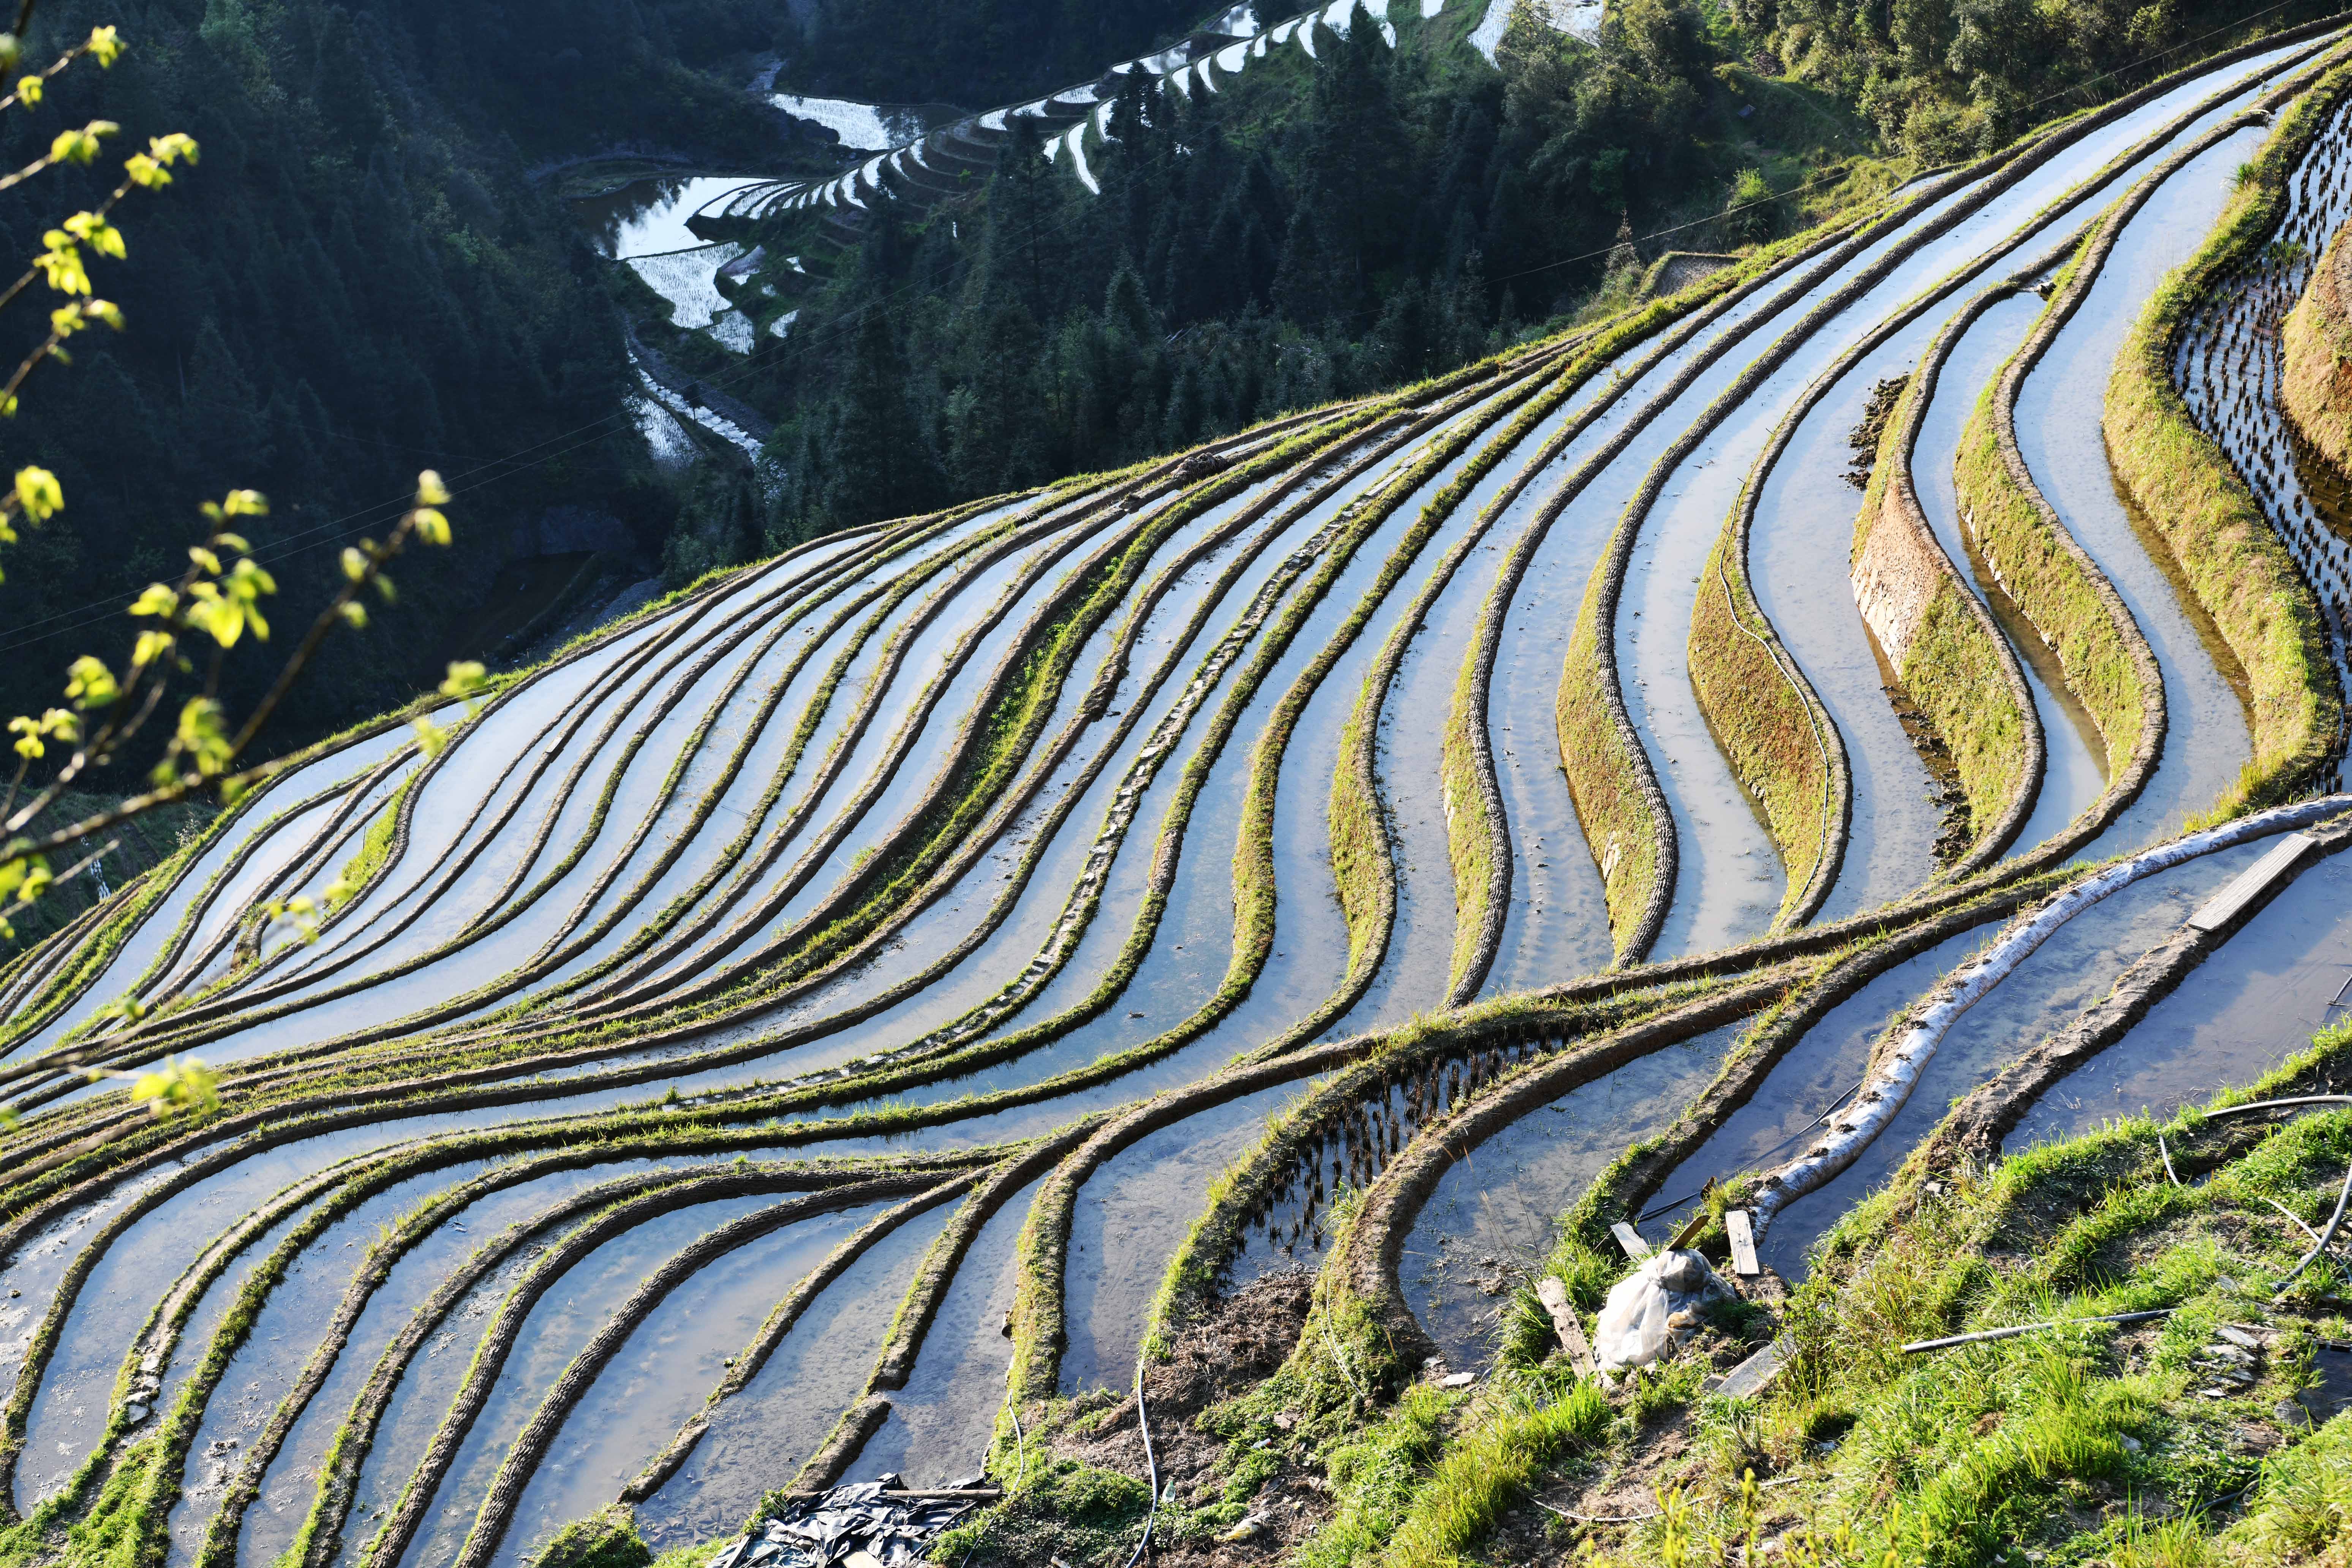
<point x="1354" y="844"/>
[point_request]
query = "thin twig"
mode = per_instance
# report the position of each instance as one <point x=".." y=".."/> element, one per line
<point x="1639" y="1517"/>
<point x="2160" y="1149"/>
<point x="2325" y="1236"/>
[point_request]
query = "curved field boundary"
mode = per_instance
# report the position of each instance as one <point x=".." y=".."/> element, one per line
<point x="281" y="1062"/>
<point x="1977" y="1123"/>
<point x="1030" y="981"/>
<point x="219" y="1548"/>
<point x="1609" y="774"/>
<point x="1080" y="612"/>
<point x="1362" y="851"/>
<point x="888" y="539"/>
<point x="1939" y="637"/>
<point x="686" y="955"/>
<point x="2181" y="481"/>
<point x="1043" y="1091"/>
<point x="65" y="975"/>
<point x="2317" y="345"/>
<point x="1753" y="695"/>
<point x="982" y="798"/>
<point x="348" y="1183"/>
<point x="1041" y="1248"/>
<point x="1746" y="702"/>
<point x="1904" y="1051"/>
<point x="959" y="563"/>
<point x="747" y="1363"/>
<point x="175" y="1029"/>
<point x="2107" y="661"/>
<point x="1411" y="1057"/>
<point x="1477" y="829"/>
<point x="399" y="1528"/>
<point x="1627" y="823"/>
<point x="530" y="1447"/>
<point x="1633" y="1180"/>
<point x="1361" y="1269"/>
<point x="507" y="1065"/>
<point x="2054" y="582"/>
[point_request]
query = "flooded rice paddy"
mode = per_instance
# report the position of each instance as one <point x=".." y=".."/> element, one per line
<point x="863" y="977"/>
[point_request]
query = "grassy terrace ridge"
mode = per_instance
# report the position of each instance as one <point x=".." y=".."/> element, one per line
<point x="848" y="1089"/>
<point x="505" y="1041"/>
<point x="1770" y="729"/>
<point x="1038" y="1330"/>
<point x="2097" y="1447"/>
<point x="1477" y="840"/>
<point x="1951" y="658"/>
<point x="2186" y="487"/>
<point x="174" y="1020"/>
<point x="910" y="531"/>
<point x="2108" y="665"/>
<point x="2087" y="1445"/>
<point x="2317" y="342"/>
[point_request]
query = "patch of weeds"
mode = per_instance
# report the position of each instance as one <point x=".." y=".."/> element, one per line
<point x="1065" y="1509"/>
<point x="1660" y="1391"/>
<point x="606" y="1540"/>
<point x="1376" y="1475"/>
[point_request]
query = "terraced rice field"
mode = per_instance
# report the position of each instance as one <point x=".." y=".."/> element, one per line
<point x="1354" y="846"/>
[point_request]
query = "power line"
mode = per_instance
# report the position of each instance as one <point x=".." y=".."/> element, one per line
<point x="522" y="460"/>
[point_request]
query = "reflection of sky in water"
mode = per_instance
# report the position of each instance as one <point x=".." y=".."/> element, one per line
<point x="690" y="281"/>
<point x="2075" y="968"/>
<point x="1577" y="19"/>
<point x="2233" y="1018"/>
<point x="646" y="217"/>
<point x="862" y="127"/>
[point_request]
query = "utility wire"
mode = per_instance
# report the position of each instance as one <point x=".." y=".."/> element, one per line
<point x="522" y="459"/>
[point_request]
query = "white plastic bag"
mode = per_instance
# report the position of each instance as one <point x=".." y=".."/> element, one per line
<point x="1653" y="1310"/>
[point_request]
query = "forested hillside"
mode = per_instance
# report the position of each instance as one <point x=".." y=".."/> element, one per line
<point x="1324" y="227"/>
<point x="976" y="51"/>
<point x="363" y="277"/>
<point x="357" y="281"/>
<point x="1316" y="228"/>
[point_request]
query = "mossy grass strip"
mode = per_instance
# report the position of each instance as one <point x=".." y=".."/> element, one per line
<point x="2316" y="347"/>
<point x="2184" y="484"/>
<point x="1477" y="835"/>
<point x="529" y="1447"/>
<point x="1042" y="1246"/>
<point x="1941" y="641"/>
<point x="1626" y="821"/>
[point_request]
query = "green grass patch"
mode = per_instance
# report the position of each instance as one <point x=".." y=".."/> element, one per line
<point x="2193" y="497"/>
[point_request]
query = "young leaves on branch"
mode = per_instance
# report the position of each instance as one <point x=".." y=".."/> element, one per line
<point x="183" y="631"/>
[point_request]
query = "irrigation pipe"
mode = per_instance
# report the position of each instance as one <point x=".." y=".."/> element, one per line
<point x="1151" y="1464"/>
<point x="2297" y="1220"/>
<point x="1898" y="1068"/>
<point x="1783" y="1144"/>
<point x="2014" y="1330"/>
<point x="2320" y="1245"/>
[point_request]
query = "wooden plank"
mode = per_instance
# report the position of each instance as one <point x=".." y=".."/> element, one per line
<point x="2250" y="884"/>
<point x="1631" y="1240"/>
<point x="1743" y="1243"/>
<point x="1689" y="1232"/>
<point x="1554" y="1297"/>
<point x="1750" y="1376"/>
